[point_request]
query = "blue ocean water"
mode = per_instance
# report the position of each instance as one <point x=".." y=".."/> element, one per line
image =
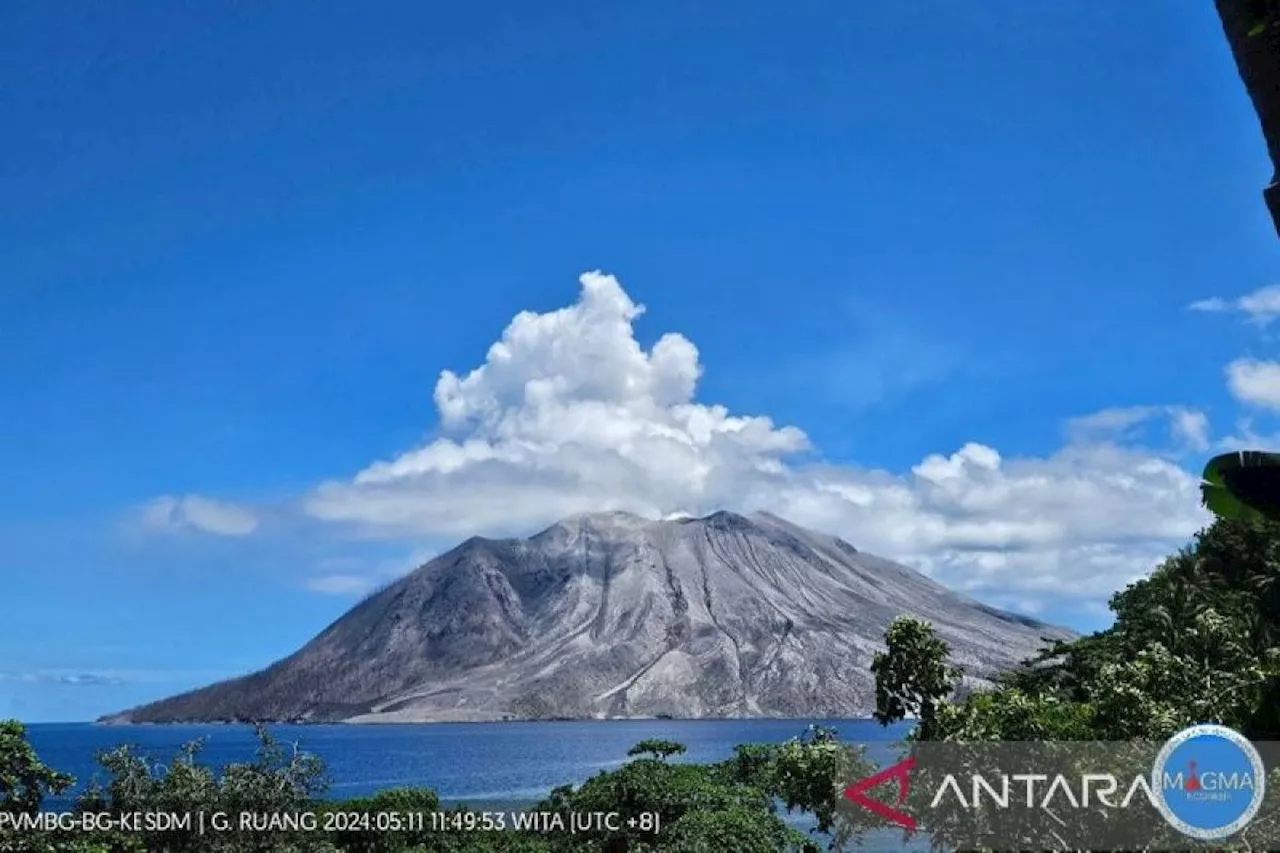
<point x="474" y="763"/>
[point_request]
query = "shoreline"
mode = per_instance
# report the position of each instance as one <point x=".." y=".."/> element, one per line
<point x="380" y="723"/>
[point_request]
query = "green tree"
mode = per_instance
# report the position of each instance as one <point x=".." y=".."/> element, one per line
<point x="278" y="780"/>
<point x="737" y="828"/>
<point x="24" y="779"/>
<point x="913" y="677"/>
<point x="658" y="748"/>
<point x="651" y="786"/>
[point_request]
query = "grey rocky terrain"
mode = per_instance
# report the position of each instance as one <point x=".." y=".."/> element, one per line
<point x="612" y="615"/>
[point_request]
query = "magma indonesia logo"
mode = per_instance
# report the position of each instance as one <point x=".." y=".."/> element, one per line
<point x="1207" y="782"/>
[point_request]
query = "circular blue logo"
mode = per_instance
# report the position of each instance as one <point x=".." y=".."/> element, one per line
<point x="1208" y="782"/>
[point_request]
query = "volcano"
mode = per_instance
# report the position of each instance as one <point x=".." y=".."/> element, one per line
<point x="612" y="615"/>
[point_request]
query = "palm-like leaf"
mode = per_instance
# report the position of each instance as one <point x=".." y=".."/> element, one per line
<point x="1243" y="485"/>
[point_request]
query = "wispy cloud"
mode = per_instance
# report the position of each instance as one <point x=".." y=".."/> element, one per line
<point x="1188" y="427"/>
<point x="1261" y="306"/>
<point x="877" y="369"/>
<point x="1212" y="305"/>
<point x="339" y="584"/>
<point x="1247" y="436"/>
<point x="355" y="576"/>
<point x="70" y="679"/>
<point x="194" y="512"/>
<point x="882" y="357"/>
<point x="104" y="677"/>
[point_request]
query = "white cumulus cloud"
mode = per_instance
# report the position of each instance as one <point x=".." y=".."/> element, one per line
<point x="1255" y="382"/>
<point x="569" y="413"/>
<point x="193" y="512"/>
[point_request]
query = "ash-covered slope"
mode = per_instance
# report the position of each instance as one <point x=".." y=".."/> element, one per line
<point x="613" y="615"/>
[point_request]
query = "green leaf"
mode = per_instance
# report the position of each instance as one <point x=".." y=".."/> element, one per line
<point x="1243" y="485"/>
<point x="1219" y="501"/>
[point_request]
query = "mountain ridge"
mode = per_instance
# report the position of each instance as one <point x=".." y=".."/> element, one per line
<point x="613" y="615"/>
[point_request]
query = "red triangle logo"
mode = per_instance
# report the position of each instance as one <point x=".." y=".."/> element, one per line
<point x="902" y="773"/>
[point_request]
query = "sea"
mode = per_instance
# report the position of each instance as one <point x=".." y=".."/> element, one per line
<point x="488" y="766"/>
<point x="476" y="764"/>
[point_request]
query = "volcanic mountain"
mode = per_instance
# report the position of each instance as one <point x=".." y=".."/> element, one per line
<point x="612" y="615"/>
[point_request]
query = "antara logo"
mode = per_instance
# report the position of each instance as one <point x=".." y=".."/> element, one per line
<point x="1204" y="804"/>
<point x="900" y="772"/>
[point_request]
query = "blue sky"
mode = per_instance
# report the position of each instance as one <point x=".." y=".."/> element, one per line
<point x="996" y="276"/>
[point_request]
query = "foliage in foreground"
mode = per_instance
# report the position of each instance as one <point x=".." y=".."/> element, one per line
<point x="1197" y="641"/>
<point x="729" y="806"/>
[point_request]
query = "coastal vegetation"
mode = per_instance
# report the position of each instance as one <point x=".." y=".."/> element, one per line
<point x="1196" y="641"/>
